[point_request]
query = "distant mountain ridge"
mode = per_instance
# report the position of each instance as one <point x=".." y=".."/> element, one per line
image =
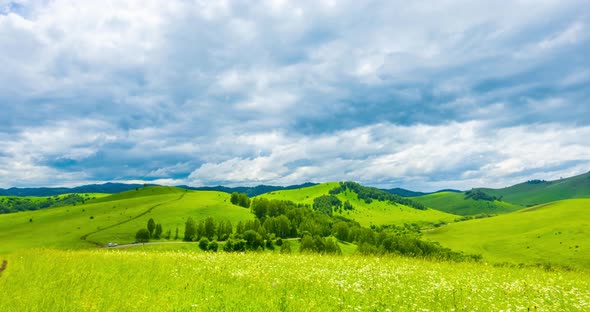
<point x="408" y="193"/>
<point x="526" y="194"/>
<point x="107" y="188"/>
<point x="114" y="188"/>
<point x="250" y="191"/>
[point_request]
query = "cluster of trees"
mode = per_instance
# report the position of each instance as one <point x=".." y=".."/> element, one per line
<point x="320" y="245"/>
<point x="329" y="203"/>
<point x="536" y="181"/>
<point x="476" y="194"/>
<point x="240" y="199"/>
<point x="278" y="221"/>
<point x="207" y="228"/>
<point x="368" y="194"/>
<point x="248" y="235"/>
<point x="16" y="204"/>
<point x="384" y="243"/>
<point x="152" y="230"/>
<point x="318" y="229"/>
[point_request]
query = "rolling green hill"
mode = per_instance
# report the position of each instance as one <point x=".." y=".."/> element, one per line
<point x="555" y="233"/>
<point x="456" y="203"/>
<point x="376" y="212"/>
<point x="539" y="192"/>
<point x="113" y="218"/>
<point x="11" y="204"/>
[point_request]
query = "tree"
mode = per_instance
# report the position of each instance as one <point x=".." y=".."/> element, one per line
<point x="190" y="230"/>
<point x="176" y="235"/>
<point x="142" y="236"/>
<point x="240" y="227"/>
<point x="253" y="239"/>
<point x="234" y="198"/>
<point x="209" y="228"/>
<point x="213" y="246"/>
<point x="158" y="231"/>
<point x="243" y="200"/>
<point x="240" y="199"/>
<point x="286" y="247"/>
<point x="332" y="247"/>
<point x="340" y="230"/>
<point x="306" y="244"/>
<point x="204" y="243"/>
<point x="151" y="226"/>
<point x="200" y="229"/>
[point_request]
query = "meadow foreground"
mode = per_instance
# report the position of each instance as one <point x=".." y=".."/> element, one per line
<point x="115" y="280"/>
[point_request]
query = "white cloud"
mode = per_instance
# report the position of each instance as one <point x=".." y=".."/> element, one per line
<point x="281" y="92"/>
<point x="417" y="154"/>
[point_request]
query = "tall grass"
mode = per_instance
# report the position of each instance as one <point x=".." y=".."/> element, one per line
<point x="101" y="280"/>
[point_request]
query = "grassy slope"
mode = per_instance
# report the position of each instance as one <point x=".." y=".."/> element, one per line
<point x="196" y="204"/>
<point x="101" y="280"/>
<point x="62" y="227"/>
<point x="533" y="194"/>
<point x="377" y="213"/>
<point x="456" y="203"/>
<point x="547" y="233"/>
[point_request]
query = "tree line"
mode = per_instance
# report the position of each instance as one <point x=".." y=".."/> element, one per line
<point x="476" y="194"/>
<point x="16" y="204"/>
<point x="368" y="194"/>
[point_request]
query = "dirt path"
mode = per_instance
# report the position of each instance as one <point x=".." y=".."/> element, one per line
<point x="125" y="246"/>
<point x="85" y="236"/>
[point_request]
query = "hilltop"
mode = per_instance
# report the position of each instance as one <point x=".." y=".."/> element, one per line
<point x="460" y="204"/>
<point x="536" y="192"/>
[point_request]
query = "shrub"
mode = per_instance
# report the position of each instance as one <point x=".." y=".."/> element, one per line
<point x="204" y="243"/>
<point x="213" y="246"/>
<point x="142" y="236"/>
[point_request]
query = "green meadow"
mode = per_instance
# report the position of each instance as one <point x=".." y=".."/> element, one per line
<point x="553" y="233"/>
<point x="113" y="219"/>
<point x="534" y="259"/>
<point x="456" y="203"/>
<point x="113" y="280"/>
<point x="536" y="192"/>
<point x="367" y="214"/>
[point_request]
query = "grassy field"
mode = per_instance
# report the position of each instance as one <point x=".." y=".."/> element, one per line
<point x="196" y="204"/>
<point x="112" y="280"/>
<point x="554" y="233"/>
<point x="114" y="218"/>
<point x="455" y="203"/>
<point x="377" y="212"/>
<point x="544" y="192"/>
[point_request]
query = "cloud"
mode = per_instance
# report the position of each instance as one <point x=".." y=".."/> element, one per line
<point x="422" y="156"/>
<point x="288" y="91"/>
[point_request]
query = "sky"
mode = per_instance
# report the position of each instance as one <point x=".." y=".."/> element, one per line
<point x="423" y="95"/>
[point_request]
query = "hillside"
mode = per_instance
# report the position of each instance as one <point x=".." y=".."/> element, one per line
<point x="538" y="192"/>
<point x="457" y="203"/>
<point x="374" y="213"/>
<point x="555" y="233"/>
<point x="113" y="218"/>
